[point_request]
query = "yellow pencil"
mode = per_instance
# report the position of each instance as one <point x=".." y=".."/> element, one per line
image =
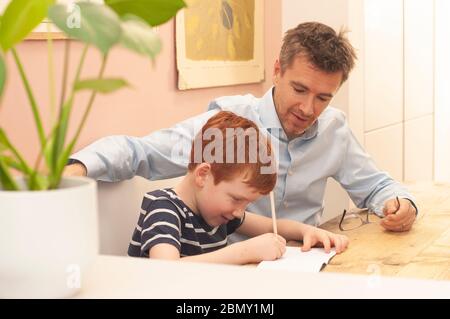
<point x="274" y="217"/>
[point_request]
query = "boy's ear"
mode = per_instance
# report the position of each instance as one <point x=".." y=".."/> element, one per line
<point x="201" y="174"/>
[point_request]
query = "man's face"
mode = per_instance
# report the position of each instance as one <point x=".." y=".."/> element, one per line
<point x="301" y="94"/>
<point x="218" y="204"/>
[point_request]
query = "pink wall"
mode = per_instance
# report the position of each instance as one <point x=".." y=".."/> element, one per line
<point x="152" y="103"/>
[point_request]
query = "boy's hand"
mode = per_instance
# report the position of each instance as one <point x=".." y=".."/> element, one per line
<point x="313" y="235"/>
<point x="264" y="247"/>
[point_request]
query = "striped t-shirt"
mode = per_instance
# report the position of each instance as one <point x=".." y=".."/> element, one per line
<point x="165" y="218"/>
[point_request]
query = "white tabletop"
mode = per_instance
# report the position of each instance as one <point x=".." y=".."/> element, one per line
<point x="126" y="277"/>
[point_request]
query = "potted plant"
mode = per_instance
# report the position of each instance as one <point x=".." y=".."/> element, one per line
<point x="48" y="223"/>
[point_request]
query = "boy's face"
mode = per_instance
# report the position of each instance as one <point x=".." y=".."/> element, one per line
<point x="218" y="204"/>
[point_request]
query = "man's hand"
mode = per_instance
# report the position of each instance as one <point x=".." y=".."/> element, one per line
<point x="76" y="169"/>
<point x="399" y="216"/>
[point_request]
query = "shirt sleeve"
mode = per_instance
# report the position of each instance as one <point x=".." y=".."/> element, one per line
<point x="162" y="154"/>
<point x="161" y="224"/>
<point x="366" y="185"/>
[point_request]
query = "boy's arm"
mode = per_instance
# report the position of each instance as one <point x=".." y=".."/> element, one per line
<point x="232" y="254"/>
<point x="255" y="225"/>
<point x="254" y="250"/>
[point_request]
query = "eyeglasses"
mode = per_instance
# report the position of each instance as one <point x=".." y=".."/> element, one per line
<point x="353" y="220"/>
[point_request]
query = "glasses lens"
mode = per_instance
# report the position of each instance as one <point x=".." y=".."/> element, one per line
<point x="351" y="221"/>
<point x="373" y="218"/>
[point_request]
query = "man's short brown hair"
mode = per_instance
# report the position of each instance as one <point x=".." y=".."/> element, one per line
<point x="243" y="160"/>
<point x="327" y="50"/>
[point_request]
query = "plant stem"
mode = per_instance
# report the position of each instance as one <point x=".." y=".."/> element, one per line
<point x="80" y="65"/>
<point x="91" y="100"/>
<point x="65" y="72"/>
<point x="65" y="155"/>
<point x="51" y="75"/>
<point x="64" y="113"/>
<point x="34" y="107"/>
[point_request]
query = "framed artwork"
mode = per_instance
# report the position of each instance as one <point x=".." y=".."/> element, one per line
<point x="220" y="42"/>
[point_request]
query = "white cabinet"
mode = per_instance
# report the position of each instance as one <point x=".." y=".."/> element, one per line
<point x="383" y="25"/>
<point x="418" y="162"/>
<point x="399" y="86"/>
<point x="385" y="146"/>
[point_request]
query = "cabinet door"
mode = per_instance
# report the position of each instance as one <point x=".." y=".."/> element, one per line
<point x="418" y="33"/>
<point x="383" y="63"/>
<point x="385" y="145"/>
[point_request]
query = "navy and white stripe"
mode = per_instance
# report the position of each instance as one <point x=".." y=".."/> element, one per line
<point x="165" y="218"/>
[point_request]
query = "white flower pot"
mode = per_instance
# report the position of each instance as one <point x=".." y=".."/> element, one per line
<point x="48" y="239"/>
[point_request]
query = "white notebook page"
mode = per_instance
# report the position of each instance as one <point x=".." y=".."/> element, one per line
<point x="296" y="260"/>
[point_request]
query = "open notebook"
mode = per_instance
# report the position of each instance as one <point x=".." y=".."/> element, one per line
<point x="296" y="260"/>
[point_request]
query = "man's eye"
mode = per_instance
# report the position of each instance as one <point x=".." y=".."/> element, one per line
<point x="323" y="99"/>
<point x="299" y="90"/>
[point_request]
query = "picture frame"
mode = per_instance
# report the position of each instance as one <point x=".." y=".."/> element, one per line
<point x="220" y="43"/>
<point x="46" y="28"/>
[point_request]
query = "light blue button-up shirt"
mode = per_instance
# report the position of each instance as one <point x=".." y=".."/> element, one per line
<point x="326" y="149"/>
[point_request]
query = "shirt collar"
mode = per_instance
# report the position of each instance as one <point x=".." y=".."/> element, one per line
<point x="268" y="114"/>
<point x="269" y="117"/>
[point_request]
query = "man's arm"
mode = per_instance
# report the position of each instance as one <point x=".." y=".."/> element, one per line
<point x="369" y="187"/>
<point x="365" y="183"/>
<point x="162" y="154"/>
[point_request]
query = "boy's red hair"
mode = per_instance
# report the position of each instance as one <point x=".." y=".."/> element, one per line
<point x="224" y="169"/>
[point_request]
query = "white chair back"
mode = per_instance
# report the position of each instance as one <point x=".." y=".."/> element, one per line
<point x="119" y="208"/>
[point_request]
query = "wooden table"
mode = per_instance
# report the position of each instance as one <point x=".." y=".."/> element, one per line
<point x="423" y="252"/>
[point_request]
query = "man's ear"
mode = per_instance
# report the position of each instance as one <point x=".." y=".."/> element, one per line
<point x="202" y="173"/>
<point x="276" y="72"/>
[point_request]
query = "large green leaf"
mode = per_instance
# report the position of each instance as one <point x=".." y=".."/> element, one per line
<point x="90" y="22"/>
<point x="6" y="179"/>
<point x="154" y="12"/>
<point x="58" y="136"/>
<point x="2" y="70"/>
<point x="2" y="74"/>
<point x="101" y="85"/>
<point x="20" y="18"/>
<point x="6" y="144"/>
<point x="9" y="161"/>
<point x="139" y="37"/>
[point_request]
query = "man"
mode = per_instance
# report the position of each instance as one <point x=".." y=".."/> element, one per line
<point x="313" y="140"/>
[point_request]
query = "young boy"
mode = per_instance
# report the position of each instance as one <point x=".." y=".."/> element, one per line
<point x="192" y="221"/>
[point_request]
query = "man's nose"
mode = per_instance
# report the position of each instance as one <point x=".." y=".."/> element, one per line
<point x="307" y="107"/>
